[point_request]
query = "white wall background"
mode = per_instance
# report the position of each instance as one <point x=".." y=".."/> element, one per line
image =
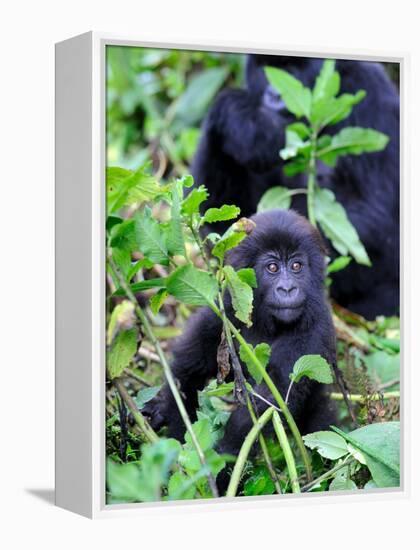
<point x="28" y="32"/>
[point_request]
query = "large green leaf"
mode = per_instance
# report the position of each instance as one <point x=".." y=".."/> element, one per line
<point x="296" y="97"/>
<point x="175" y="238"/>
<point x="383" y="367"/>
<point x="328" y="444"/>
<point x="241" y="294"/>
<point x="158" y="282"/>
<point x="151" y="238"/>
<point x="192" y="286"/>
<point x="194" y="102"/>
<point x="227" y="242"/>
<point x="122" y="351"/>
<point x="314" y="367"/>
<point x="380" y="445"/>
<point x="337" y="227"/>
<point x="352" y="141"/>
<point x="191" y="204"/>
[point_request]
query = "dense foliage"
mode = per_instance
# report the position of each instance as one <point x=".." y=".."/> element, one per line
<point x="159" y="269"/>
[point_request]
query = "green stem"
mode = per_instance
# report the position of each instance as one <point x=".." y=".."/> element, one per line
<point x="167" y="372"/>
<point x="312" y="181"/>
<point x="358" y="398"/>
<point x="349" y="460"/>
<point x="280" y="401"/>
<point x="288" y="455"/>
<point x="142" y="423"/>
<point x="245" y="450"/>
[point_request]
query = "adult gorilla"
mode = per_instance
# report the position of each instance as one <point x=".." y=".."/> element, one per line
<point x="238" y="160"/>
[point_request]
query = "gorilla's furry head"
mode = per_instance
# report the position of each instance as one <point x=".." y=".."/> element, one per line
<point x="288" y="256"/>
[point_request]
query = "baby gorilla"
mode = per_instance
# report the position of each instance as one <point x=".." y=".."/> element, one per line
<point x="291" y="314"/>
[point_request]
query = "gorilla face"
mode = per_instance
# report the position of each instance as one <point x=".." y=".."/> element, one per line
<point x="283" y="280"/>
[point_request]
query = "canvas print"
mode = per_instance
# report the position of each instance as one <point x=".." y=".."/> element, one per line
<point x="252" y="307"/>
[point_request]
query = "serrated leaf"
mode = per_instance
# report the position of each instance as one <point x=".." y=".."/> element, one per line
<point x="145" y="395"/>
<point x="337" y="227"/>
<point x="328" y="444"/>
<point x="263" y="352"/>
<point x="180" y="487"/>
<point x="227" y="242"/>
<point x="352" y="141"/>
<point x="296" y="97"/>
<point x="191" y="204"/>
<point x="123" y="236"/>
<point x="192" y="286"/>
<point x="203" y="432"/>
<point x="276" y="197"/>
<point x="314" y="367"/>
<point x="158" y="299"/>
<point x="150" y="238"/>
<point x="125" y="187"/>
<point x="247" y="275"/>
<point x="327" y="84"/>
<point x="225" y="213"/>
<point x="241" y="294"/>
<point x="329" y="111"/>
<point x="121" y="353"/>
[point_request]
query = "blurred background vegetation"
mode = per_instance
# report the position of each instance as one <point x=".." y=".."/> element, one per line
<point x="157" y="99"/>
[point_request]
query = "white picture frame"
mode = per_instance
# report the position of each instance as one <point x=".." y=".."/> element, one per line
<point x="80" y="277"/>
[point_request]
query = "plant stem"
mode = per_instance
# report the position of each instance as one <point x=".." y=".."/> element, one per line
<point x="276" y="394"/>
<point x="358" y="398"/>
<point x="288" y="392"/>
<point x="312" y="181"/>
<point x="328" y="474"/>
<point x="245" y="450"/>
<point x="167" y="371"/>
<point x="288" y="455"/>
<point x="142" y="423"/>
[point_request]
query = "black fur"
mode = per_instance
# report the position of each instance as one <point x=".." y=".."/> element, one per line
<point x="285" y="238"/>
<point x="238" y="160"/>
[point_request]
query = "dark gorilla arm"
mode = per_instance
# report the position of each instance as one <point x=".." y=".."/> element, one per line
<point x="193" y="365"/>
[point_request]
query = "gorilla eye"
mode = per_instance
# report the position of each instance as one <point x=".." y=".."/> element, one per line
<point x="272" y="267"/>
<point x="296" y="267"/>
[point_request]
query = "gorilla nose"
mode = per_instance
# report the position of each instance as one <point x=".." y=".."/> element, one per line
<point x="287" y="290"/>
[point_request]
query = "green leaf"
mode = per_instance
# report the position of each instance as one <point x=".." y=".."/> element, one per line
<point x="121" y="315"/>
<point x="328" y="444"/>
<point x="122" y="257"/>
<point x="226" y="212"/>
<point x="221" y="390"/>
<point x="337" y="227"/>
<point x="158" y="282"/>
<point x="380" y="445"/>
<point x="180" y="487"/>
<point x="125" y="187"/>
<point x="157" y="301"/>
<point x="294" y="145"/>
<point x="314" y="367"/>
<point x="121" y="353"/>
<point x="247" y="275"/>
<point x="191" y="204"/>
<point x="175" y="240"/>
<point x="327" y="84"/>
<point x="276" y="197"/>
<point x="338" y="264"/>
<point x="227" y="242"/>
<point x="150" y="238"/>
<point x="342" y="481"/>
<point x="241" y="294"/>
<point x="297" y="166"/>
<point x="192" y="286"/>
<point x="296" y="97"/>
<point x="145" y="395"/>
<point x="124" y="481"/>
<point x="140" y="264"/>
<point x="352" y="141"/>
<point x="194" y="102"/>
<point x="329" y="111"/>
<point x="262" y="351"/>
<point x="123" y="236"/>
<point x="260" y="483"/>
<point x="203" y="432"/>
<point x="383" y="367"/>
